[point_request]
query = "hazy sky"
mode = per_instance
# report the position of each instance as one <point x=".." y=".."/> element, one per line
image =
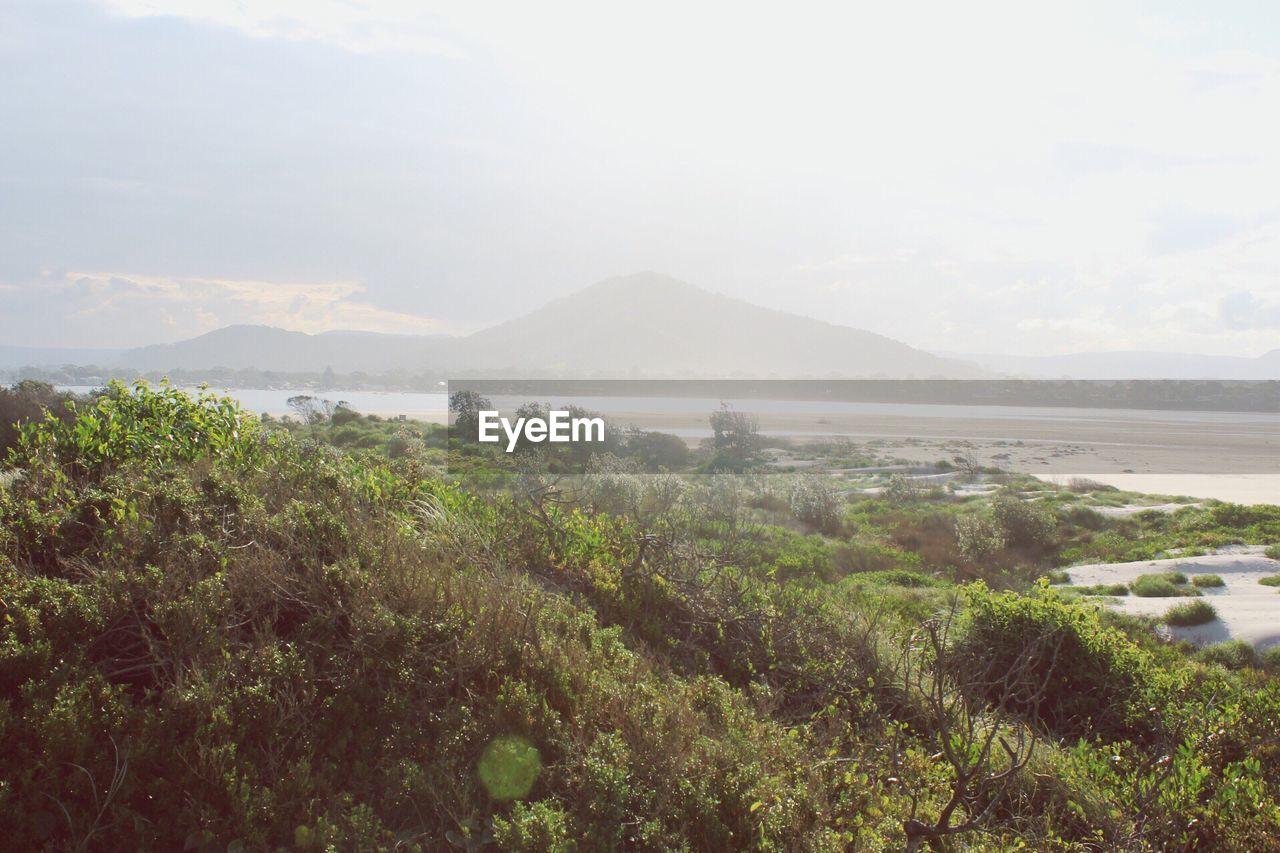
<point x="960" y="176"/>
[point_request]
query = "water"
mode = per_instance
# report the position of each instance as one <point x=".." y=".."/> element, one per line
<point x="275" y="401"/>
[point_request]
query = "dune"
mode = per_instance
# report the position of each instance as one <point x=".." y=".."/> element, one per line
<point x="1247" y="610"/>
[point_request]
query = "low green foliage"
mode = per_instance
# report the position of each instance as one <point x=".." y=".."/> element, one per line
<point x="218" y="634"/>
<point x="1270" y="580"/>
<point x="1208" y="581"/>
<point x="1197" y="612"/>
<point x="1164" y="585"/>
<point x="1097" y="683"/>
<point x="1233" y="654"/>
<point x="1111" y="589"/>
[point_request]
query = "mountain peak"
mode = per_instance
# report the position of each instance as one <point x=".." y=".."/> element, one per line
<point x="644" y="324"/>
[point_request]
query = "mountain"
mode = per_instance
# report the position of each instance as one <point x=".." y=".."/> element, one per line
<point x="11" y="357"/>
<point x="1129" y="365"/>
<point x="653" y="325"/>
<point x="646" y="325"/>
<point x="269" y="348"/>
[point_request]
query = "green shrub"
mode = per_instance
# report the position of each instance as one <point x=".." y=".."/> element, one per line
<point x="815" y="503"/>
<point x="1270" y="580"/>
<point x="539" y="827"/>
<point x="1097" y="682"/>
<point x="1273" y="551"/>
<point x="1112" y="589"/>
<point x="1022" y="523"/>
<point x="1197" y="612"/>
<point x="902" y="490"/>
<point x="1270" y="658"/>
<point x="1058" y="576"/>
<point x="1155" y="586"/>
<point x="978" y="537"/>
<point x="1233" y="654"/>
<point x="1208" y="581"/>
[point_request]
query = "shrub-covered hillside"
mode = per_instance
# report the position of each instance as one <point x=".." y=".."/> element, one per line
<point x="219" y="634"/>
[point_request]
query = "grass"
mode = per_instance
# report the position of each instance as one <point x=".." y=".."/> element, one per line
<point x="1160" y="585"/>
<point x="1116" y="589"/>
<point x="1273" y="551"/>
<point x="1233" y="654"/>
<point x="1208" y="581"/>
<point x="1270" y="580"/>
<point x="1191" y="613"/>
<point x="1058" y="576"/>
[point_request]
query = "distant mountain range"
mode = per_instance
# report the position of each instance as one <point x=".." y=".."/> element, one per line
<point x="646" y="325"/>
<point x="1127" y="365"/>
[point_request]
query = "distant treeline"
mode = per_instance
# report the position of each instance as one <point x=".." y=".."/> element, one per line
<point x="1173" y="394"/>
<point x="320" y="380"/>
<point x="1176" y="394"/>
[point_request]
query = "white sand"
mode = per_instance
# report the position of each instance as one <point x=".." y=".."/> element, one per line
<point x="1134" y="509"/>
<point x="1247" y="610"/>
<point x="1238" y="488"/>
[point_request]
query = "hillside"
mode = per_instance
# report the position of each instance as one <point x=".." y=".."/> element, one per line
<point x="653" y="325"/>
<point x="268" y="348"/>
<point x="219" y="634"/>
<point x="641" y="325"/>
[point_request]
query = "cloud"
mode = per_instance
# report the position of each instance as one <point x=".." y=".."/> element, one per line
<point x="1243" y="310"/>
<point x="122" y="309"/>
<point x="389" y="25"/>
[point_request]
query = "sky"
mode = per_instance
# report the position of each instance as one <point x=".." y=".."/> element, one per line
<point x="973" y="178"/>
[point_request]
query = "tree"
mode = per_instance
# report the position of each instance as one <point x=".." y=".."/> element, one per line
<point x="312" y="410"/>
<point x="465" y="406"/>
<point x="974" y="721"/>
<point x="735" y="435"/>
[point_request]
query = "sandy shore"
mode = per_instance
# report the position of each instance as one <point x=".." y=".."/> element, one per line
<point x="1221" y="455"/>
<point x="1247" y="610"/>
<point x="1202" y="455"/>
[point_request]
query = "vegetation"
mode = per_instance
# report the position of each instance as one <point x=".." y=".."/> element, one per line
<point x="1192" y="613"/>
<point x="220" y="633"/>
<point x="1233" y="654"/>
<point x="1208" y="581"/>
<point x="1163" y="585"/>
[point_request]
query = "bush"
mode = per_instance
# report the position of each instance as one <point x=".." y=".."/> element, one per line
<point x="1233" y="654"/>
<point x="978" y="537"/>
<point x="1097" y="682"/>
<point x="1058" y="576"/>
<point x="1113" y="589"/>
<point x="902" y="490"/>
<point x="1197" y="612"/>
<point x="1208" y="581"/>
<point x="1154" y="586"/>
<point x="28" y="401"/>
<point x="1022" y="523"/>
<point x="539" y="827"/>
<point x="1270" y="580"/>
<point x="1273" y="551"/>
<point x="1270" y="658"/>
<point x="815" y="503"/>
<point x="1083" y="485"/>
